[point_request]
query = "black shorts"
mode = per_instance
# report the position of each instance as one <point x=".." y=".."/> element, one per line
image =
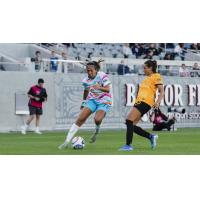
<point x="142" y="107"/>
<point x="35" y="110"/>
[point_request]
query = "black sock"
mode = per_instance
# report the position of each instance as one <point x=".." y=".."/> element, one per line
<point x="129" y="132"/>
<point x="142" y="132"/>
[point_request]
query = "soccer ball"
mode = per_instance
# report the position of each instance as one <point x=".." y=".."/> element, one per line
<point x="78" y="142"/>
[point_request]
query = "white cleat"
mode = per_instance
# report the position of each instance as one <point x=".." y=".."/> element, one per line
<point x="38" y="132"/>
<point x="23" y="130"/>
<point x="64" y="145"/>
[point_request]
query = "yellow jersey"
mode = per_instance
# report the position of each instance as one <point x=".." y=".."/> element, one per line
<point x="148" y="87"/>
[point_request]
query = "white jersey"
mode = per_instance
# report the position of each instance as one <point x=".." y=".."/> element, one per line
<point x="100" y="96"/>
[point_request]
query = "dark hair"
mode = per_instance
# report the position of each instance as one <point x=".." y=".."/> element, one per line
<point x="152" y="64"/>
<point x="37" y="52"/>
<point x="96" y="64"/>
<point x="40" y="80"/>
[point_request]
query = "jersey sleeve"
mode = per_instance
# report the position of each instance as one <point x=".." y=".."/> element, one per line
<point x="105" y="79"/>
<point x="158" y="80"/>
<point x="44" y="93"/>
<point x="85" y="85"/>
<point x="30" y="92"/>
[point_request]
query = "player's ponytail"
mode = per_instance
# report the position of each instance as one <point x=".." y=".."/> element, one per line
<point x="152" y="64"/>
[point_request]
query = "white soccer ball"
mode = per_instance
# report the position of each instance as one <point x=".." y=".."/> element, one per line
<point x="78" y="142"/>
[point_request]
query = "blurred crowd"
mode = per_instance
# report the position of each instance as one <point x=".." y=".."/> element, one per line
<point x="163" y="51"/>
<point x="156" y="51"/>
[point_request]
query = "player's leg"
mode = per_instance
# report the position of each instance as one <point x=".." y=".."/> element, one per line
<point x="133" y="117"/>
<point x="101" y="111"/>
<point x="37" y="120"/>
<point x="85" y="113"/>
<point x="143" y="108"/>
<point x="100" y="114"/>
<point x="169" y="124"/>
<point x="157" y="127"/>
<point x="32" y="112"/>
<point x="37" y="123"/>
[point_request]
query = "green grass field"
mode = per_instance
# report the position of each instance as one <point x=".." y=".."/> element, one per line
<point x="182" y="142"/>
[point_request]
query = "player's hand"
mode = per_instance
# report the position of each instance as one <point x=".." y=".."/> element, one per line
<point x="96" y="87"/>
<point x="37" y="99"/>
<point x="156" y="105"/>
<point x="83" y="104"/>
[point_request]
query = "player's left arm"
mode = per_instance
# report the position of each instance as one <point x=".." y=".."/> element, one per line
<point x="105" y="88"/>
<point x="85" y="94"/>
<point x="160" y="97"/>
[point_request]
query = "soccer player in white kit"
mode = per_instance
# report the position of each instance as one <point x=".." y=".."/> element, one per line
<point x="96" y="98"/>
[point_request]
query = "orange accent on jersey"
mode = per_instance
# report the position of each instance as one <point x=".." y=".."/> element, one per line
<point x="108" y="103"/>
<point x="148" y="88"/>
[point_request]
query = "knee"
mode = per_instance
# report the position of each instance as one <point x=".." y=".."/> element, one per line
<point x="129" y="124"/>
<point x="98" y="120"/>
<point x="80" y="121"/>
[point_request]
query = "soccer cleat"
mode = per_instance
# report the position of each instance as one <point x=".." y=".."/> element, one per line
<point x="38" y="132"/>
<point x="126" y="148"/>
<point x="23" y="130"/>
<point x="153" y="139"/>
<point x="94" y="136"/>
<point x="64" y="145"/>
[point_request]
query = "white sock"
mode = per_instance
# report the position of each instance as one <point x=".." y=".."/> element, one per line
<point x="37" y="128"/>
<point x="73" y="130"/>
<point x="26" y="126"/>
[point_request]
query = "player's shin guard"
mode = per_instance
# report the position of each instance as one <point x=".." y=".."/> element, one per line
<point x="141" y="132"/>
<point x="129" y="132"/>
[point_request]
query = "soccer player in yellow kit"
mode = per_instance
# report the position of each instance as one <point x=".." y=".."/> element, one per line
<point x="144" y="102"/>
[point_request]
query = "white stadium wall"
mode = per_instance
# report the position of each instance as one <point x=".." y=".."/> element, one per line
<point x="65" y="94"/>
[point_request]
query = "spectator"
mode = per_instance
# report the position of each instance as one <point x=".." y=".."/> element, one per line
<point x="152" y="48"/>
<point x="178" y="50"/>
<point x="126" y="50"/>
<point x="149" y="55"/>
<point x="2" y="68"/>
<point x="195" y="67"/>
<point x="183" y="71"/>
<point x="194" y="46"/>
<point x="38" y="61"/>
<point x="53" y="62"/>
<point x="168" y="56"/>
<point x="194" y="72"/>
<point x="64" y="66"/>
<point x="123" y="69"/>
<point x="161" y="121"/>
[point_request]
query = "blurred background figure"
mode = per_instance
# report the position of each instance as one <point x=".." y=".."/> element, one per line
<point x="38" y="61"/>
<point x="183" y="71"/>
<point x="53" y="62"/>
<point x="126" y="50"/>
<point x="123" y="69"/>
<point x="64" y="65"/>
<point x="161" y="121"/>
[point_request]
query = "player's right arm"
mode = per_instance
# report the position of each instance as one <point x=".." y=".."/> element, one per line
<point x="85" y="94"/>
